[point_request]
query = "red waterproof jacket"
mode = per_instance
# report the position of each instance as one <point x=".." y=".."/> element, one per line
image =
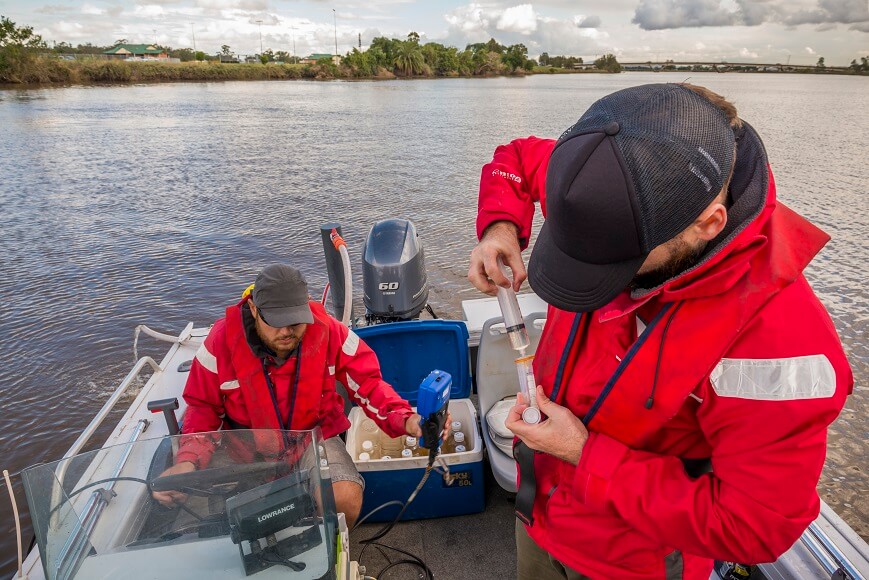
<point x="740" y="364"/>
<point x="227" y="386"/>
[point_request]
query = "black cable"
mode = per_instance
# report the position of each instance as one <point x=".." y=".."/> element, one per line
<point x="95" y="483"/>
<point x="415" y="561"/>
<point x="295" y="566"/>
<point x="405" y="562"/>
<point x="432" y="455"/>
<point x="385" y="530"/>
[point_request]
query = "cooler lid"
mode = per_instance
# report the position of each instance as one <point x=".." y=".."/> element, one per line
<point x="409" y="351"/>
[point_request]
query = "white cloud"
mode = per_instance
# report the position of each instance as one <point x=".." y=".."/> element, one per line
<point x="667" y="14"/>
<point x="478" y="23"/>
<point x="148" y="11"/>
<point x="582" y="21"/>
<point x="810" y="50"/>
<point x="92" y="10"/>
<point x="745" y="53"/>
<point x="521" y="19"/>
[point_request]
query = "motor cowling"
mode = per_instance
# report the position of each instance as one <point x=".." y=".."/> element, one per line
<point x="393" y="272"/>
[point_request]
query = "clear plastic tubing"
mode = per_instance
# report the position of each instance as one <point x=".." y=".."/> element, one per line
<point x="528" y="386"/>
<point x="513" y="321"/>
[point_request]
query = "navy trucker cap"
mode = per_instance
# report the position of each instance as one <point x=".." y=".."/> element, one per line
<point x="636" y="169"/>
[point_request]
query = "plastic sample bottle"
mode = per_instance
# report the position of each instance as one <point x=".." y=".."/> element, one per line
<point x="460" y="449"/>
<point x="390" y="446"/>
<point x="413" y="444"/>
<point x="364" y="456"/>
<point x="369" y="428"/>
<point x="406" y="453"/>
<point x="371" y="449"/>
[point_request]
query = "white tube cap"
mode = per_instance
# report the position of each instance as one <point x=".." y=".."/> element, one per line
<point x="531" y="415"/>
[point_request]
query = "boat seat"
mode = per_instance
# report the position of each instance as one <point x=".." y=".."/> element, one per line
<point x="497" y="380"/>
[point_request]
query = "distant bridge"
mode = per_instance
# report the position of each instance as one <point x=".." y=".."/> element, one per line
<point x="725" y="66"/>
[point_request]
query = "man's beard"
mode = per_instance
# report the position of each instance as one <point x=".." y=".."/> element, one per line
<point x="683" y="256"/>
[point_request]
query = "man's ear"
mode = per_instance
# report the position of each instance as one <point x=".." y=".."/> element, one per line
<point x="711" y="222"/>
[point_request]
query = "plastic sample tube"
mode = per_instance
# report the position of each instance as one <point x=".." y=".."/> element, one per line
<point x="513" y="321"/>
<point x="528" y="387"/>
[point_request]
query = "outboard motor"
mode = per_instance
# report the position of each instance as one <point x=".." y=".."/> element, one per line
<point x="393" y="272"/>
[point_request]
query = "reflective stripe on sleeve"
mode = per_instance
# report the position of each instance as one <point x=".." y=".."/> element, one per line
<point x="229" y="385"/>
<point x="363" y="402"/>
<point x="206" y="359"/>
<point x="776" y="379"/>
<point x="351" y="344"/>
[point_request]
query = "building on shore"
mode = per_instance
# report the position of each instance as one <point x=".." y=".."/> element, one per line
<point x="137" y="52"/>
<point x="312" y="59"/>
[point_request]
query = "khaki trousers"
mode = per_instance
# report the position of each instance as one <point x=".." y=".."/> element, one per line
<point x="535" y="563"/>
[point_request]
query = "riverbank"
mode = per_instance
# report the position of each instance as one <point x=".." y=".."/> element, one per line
<point x="62" y="72"/>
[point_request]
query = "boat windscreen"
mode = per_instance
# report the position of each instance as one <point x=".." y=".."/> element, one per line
<point x="218" y="505"/>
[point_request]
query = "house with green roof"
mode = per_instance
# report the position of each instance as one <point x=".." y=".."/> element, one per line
<point x="312" y="59"/>
<point x="136" y="51"/>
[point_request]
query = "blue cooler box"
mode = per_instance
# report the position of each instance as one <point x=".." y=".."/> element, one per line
<point x="408" y="352"/>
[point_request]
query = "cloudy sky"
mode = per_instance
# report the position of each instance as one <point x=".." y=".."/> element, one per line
<point x="798" y="31"/>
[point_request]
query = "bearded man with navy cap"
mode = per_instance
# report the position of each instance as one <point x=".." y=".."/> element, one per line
<point x="272" y="363"/>
<point x="688" y="371"/>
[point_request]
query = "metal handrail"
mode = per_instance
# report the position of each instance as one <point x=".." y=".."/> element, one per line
<point x="60" y="472"/>
<point x="110" y="404"/>
<point x="78" y="541"/>
<point x="817" y="541"/>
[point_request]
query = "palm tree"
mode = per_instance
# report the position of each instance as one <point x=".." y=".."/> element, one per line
<point x="409" y="60"/>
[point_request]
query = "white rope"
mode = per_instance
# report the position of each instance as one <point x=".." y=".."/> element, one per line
<point x="17" y="524"/>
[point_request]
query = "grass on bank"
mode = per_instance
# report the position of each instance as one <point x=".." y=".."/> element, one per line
<point x="51" y="70"/>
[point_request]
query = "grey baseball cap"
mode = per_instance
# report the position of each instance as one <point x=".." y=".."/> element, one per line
<point x="280" y="293"/>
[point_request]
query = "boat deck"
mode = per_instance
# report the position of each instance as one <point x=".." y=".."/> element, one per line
<point x="472" y="546"/>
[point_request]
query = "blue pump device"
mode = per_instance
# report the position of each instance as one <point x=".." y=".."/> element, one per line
<point x="432" y="403"/>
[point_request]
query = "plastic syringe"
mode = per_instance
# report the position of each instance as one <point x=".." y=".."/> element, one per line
<point x="518" y="336"/>
<point x="513" y="321"/>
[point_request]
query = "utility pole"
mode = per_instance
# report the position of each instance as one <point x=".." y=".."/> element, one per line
<point x="260" y="22"/>
<point x="155" y="36"/>
<point x="293" y="28"/>
<point x="335" y="23"/>
<point x="360" y="42"/>
<point x="193" y="32"/>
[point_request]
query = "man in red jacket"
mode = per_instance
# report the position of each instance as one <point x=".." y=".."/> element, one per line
<point x="272" y="363"/>
<point x="688" y="371"/>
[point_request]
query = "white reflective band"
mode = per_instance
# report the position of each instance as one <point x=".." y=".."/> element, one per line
<point x="695" y="397"/>
<point x="206" y="359"/>
<point x="229" y="385"/>
<point x="777" y="379"/>
<point x="353" y="386"/>
<point x="351" y="343"/>
<point x="331" y="370"/>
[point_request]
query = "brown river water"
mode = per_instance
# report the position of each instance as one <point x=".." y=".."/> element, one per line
<point x="157" y="204"/>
